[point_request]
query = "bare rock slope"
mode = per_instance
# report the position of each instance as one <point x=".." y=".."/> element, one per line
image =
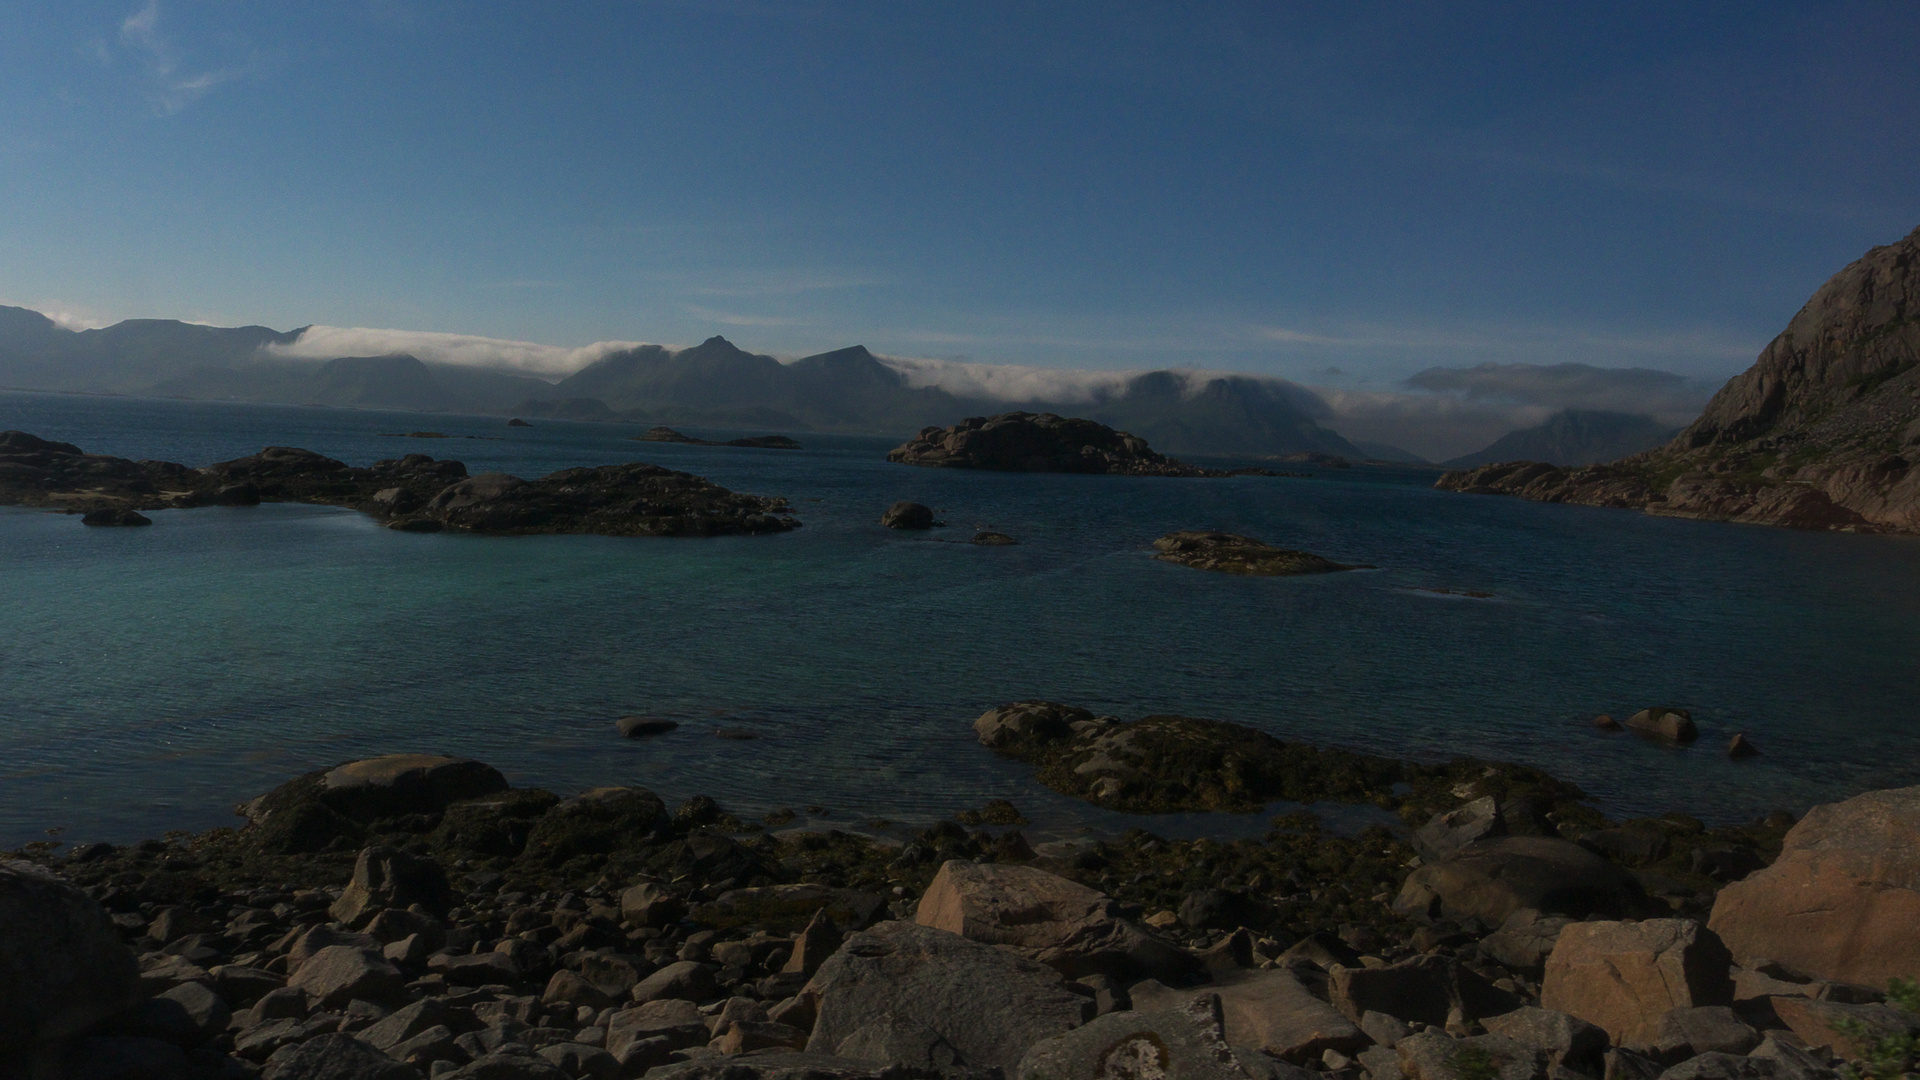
<point x="1821" y="432"/>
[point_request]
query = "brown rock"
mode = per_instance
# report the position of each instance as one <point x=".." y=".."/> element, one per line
<point x="1740" y="747"/>
<point x="338" y="974"/>
<point x="813" y="945"/>
<point x="1063" y="924"/>
<point x="648" y="904"/>
<point x="746" y="1036"/>
<point x="1829" y="1023"/>
<point x="1673" y="725"/>
<point x="1431" y="988"/>
<point x="1431" y="1055"/>
<point x="1624" y="977"/>
<point x="1842" y="900"/>
<point x="406" y="784"/>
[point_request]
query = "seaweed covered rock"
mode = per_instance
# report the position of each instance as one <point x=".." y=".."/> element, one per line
<point x="634" y="499"/>
<point x="597" y="821"/>
<point x="330" y="808"/>
<point x="42" y="472"/>
<point x="789" y="908"/>
<point x="1038" y="442"/>
<point x="1170" y="763"/>
<point x="1230" y="553"/>
<point x="1492" y="879"/>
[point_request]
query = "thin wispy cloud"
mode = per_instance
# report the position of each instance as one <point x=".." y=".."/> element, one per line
<point x="781" y="284"/>
<point x="1698" y="344"/>
<point x="171" y="85"/>
<point x="728" y="318"/>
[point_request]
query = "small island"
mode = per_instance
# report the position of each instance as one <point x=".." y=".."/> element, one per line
<point x="755" y="442"/>
<point x="1230" y="553"/>
<point x="1039" y="442"/>
<point x="415" y="493"/>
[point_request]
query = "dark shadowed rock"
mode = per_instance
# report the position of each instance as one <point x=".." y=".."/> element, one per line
<point x="1671" y="725"/>
<point x="1431" y="989"/>
<point x="1445" y="834"/>
<point x="801" y="1066"/>
<point x="117" y="516"/>
<point x="62" y="966"/>
<point x="406" y="784"/>
<point x="1268" y="1010"/>
<point x="684" y="979"/>
<point x="1038" y="442"/>
<point x="634" y="727"/>
<point x="992" y="539"/>
<point x="1491" y="879"/>
<point x="1229" y="553"/>
<point x="787" y="908"/>
<point x="905" y="985"/>
<point x="335" y="1057"/>
<point x="907" y="515"/>
<point x="338" y="974"/>
<point x="596" y="822"/>
<point x="1565" y="1040"/>
<point x="1431" y="1055"/>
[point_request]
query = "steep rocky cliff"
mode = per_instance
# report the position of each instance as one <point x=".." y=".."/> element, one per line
<point x="1821" y="432"/>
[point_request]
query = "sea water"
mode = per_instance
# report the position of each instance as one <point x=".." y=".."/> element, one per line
<point x="151" y="678"/>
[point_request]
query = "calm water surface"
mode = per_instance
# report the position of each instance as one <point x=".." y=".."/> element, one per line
<point x="150" y="678"/>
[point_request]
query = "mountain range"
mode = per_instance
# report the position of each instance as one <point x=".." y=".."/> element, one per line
<point x="714" y="383"/>
<point x="1574" y="437"/>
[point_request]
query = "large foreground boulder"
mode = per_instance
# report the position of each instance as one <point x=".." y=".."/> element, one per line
<point x="1491" y="879"/>
<point x="1624" y="977"/>
<point x="1063" y="924"/>
<point x="62" y="966"/>
<point x="1188" y="1041"/>
<point x="916" y="996"/>
<point x="1842" y="902"/>
<point x="333" y="806"/>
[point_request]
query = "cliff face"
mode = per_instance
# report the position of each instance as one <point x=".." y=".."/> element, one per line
<point x="1823" y="431"/>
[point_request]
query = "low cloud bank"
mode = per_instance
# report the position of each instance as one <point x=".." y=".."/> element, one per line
<point x="466" y="350"/>
<point x="1454" y="411"/>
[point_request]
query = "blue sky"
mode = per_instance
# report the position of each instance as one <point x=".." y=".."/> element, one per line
<point x="1341" y="194"/>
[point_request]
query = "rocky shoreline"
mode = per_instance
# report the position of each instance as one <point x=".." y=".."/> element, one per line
<point x="414" y="493"/>
<point x="416" y="916"/>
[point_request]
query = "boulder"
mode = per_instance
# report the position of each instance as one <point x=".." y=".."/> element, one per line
<point x="1625" y="977"/>
<point x="335" y="1057"/>
<point x="596" y="822"/>
<point x="1722" y="1066"/>
<point x="1222" y="909"/>
<point x="119" y="515"/>
<point x="820" y="939"/>
<point x="1491" y="879"/>
<point x="338" y="974"/>
<point x="1028" y="723"/>
<point x="905" y="984"/>
<point x="1524" y="940"/>
<point x="406" y="784"/>
<point x="1791" y="1060"/>
<point x="987" y="538"/>
<point x="1063" y="924"/>
<point x="784" y="909"/>
<point x="1430" y="988"/>
<point x="188" y="1014"/>
<point x="385" y="877"/>
<point x="907" y="515"/>
<point x="573" y="990"/>
<point x="1672" y="725"/>
<point x="1188" y="1041"/>
<point x="1230" y="553"/>
<point x="62" y="966"/>
<point x="1445" y="834"/>
<point x="1268" y="1010"/>
<point x="649" y="904"/>
<point x="634" y="727"/>
<point x="1847" y="1028"/>
<point x="586" y="1062"/>
<point x="747" y="1036"/>
<point x="795" y="1066"/>
<point x="679" y="1022"/>
<point x="1703" y="1029"/>
<point x="1842" y="900"/>
<point x="684" y="980"/>
<point x="1563" y="1040"/>
<point x="408" y="1022"/>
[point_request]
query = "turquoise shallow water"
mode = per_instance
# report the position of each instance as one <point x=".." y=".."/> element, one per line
<point x="150" y="678"/>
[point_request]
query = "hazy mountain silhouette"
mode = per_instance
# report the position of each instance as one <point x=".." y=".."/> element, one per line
<point x="1574" y="437"/>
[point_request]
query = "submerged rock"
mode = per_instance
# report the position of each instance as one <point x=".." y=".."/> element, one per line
<point x="1038" y="442"/>
<point x="1229" y="553"/>
<point x="907" y="515"/>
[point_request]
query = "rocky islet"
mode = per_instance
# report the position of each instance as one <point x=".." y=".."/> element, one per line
<point x="414" y="493"/>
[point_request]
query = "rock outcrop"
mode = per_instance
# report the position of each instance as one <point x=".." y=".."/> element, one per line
<point x="1822" y="432"/>
<point x="1167" y="763"/>
<point x="1230" y="553"/>
<point x="1492" y="879"/>
<point x="63" y="967"/>
<point x="1625" y="977"/>
<point x="414" y="493"/>
<point x="1038" y="442"/>
<point x="1842" y="901"/>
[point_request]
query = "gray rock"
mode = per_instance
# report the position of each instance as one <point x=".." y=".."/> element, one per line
<point x="801" y="1066"/>
<point x="242" y="986"/>
<point x="1524" y="940"/>
<point x="258" y="1042"/>
<point x="634" y="727"/>
<point x="587" y="1062"/>
<point x="1629" y="1065"/>
<point x="283" y="1003"/>
<point x="404" y="1023"/>
<point x="1567" y="1041"/>
<point x="1266" y="1010"/>
<point x="988" y="1005"/>
<point x="648" y="904"/>
<point x="1703" y="1029"/>
<point x="1431" y="1055"/>
<point x="682" y="979"/>
<point x="1718" y="1066"/>
<point x="1793" y="1061"/>
<point x="385" y="877"/>
<point x="62" y="966"/>
<point x="406" y="784"/>
<point x="508" y="1063"/>
<point x="747" y="1036"/>
<point x="338" y="974"/>
<point x="1186" y="1042"/>
<point x="811" y="947"/>
<point x="1672" y="725"/>
<point x="477" y="969"/>
<point x="1383" y="1029"/>
<point x="1444" y="834"/>
<point x="1381" y="1063"/>
<point x="188" y="1014"/>
<point x="335" y="1057"/>
<point x="574" y="990"/>
<point x="678" y="1022"/>
<point x="437" y="1043"/>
